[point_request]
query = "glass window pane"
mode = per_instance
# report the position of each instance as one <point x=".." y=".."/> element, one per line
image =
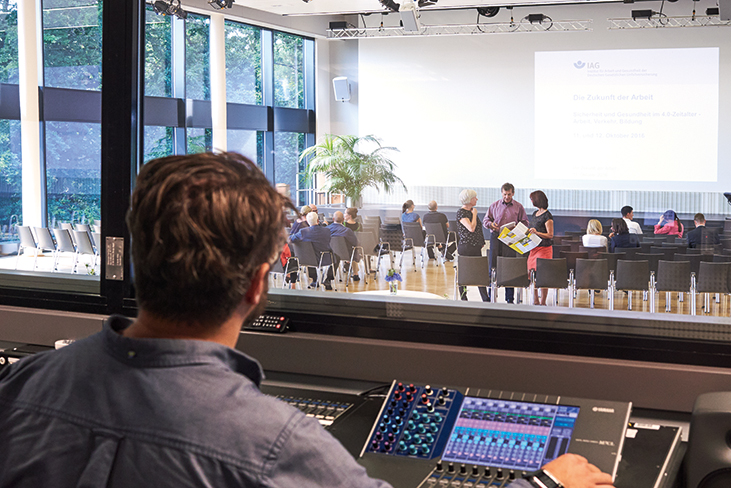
<point x="72" y="43"/>
<point x="9" y="42"/>
<point x="289" y="90"/>
<point x="197" y="65"/>
<point x="73" y="172"/>
<point x="158" y="142"/>
<point x="158" y="54"/>
<point x="11" y="201"/>
<point x="199" y="140"/>
<point x="250" y="143"/>
<point x="243" y="64"/>
<point x="287" y="168"/>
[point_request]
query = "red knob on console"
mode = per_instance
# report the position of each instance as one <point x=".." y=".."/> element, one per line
<point x="412" y="388"/>
<point x="424" y="398"/>
<point x="400" y="387"/>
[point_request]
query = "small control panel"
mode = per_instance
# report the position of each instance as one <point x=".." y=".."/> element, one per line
<point x="412" y="421"/>
<point x="324" y="411"/>
<point x="451" y="475"/>
<point x="269" y="323"/>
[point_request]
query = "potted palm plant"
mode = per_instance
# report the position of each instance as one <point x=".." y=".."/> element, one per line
<point x="352" y="164"/>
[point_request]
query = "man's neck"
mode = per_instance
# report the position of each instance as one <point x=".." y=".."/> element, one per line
<point x="151" y="326"/>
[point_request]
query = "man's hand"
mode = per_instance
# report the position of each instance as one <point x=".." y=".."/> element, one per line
<point x="574" y="471"/>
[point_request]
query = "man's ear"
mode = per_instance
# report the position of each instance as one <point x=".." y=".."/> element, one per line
<point x="258" y="284"/>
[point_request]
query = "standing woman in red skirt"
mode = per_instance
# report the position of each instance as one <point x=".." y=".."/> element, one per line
<point x="541" y="224"/>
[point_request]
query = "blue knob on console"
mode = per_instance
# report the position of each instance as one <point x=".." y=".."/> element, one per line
<point x="411" y="425"/>
<point x="407" y="436"/>
<point x="416" y="417"/>
<point x="433" y="427"/>
<point x="413" y="450"/>
<point x="421" y="428"/>
<point x="437" y="417"/>
<point x="424" y="449"/>
<point x="429" y="438"/>
<point x="402" y="446"/>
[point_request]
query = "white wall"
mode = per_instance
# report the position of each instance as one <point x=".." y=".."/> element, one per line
<point x="467" y="102"/>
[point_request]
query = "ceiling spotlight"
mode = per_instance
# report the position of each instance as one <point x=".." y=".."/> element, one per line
<point x="427" y="3"/>
<point x="642" y="14"/>
<point x="161" y="7"/>
<point x="221" y="4"/>
<point x="391" y="5"/>
<point x="488" y="11"/>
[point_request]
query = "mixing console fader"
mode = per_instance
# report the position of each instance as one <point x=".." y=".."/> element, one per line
<point x="434" y="436"/>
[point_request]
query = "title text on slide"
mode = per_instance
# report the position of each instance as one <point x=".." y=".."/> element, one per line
<point x="599" y="98"/>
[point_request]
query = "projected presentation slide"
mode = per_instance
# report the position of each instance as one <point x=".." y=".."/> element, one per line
<point x="635" y="115"/>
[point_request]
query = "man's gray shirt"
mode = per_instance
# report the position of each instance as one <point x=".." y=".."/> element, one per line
<point x="112" y="411"/>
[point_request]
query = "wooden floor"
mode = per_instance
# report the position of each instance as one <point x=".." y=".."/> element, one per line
<point x="439" y="280"/>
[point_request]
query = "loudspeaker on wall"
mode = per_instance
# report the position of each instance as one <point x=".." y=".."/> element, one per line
<point x="341" y="87"/>
<point x="708" y="461"/>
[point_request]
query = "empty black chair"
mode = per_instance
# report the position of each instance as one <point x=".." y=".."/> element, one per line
<point x="511" y="272"/>
<point x="558" y="248"/>
<point x="413" y="238"/>
<point x="592" y="274"/>
<point x="668" y="253"/>
<point x="679" y="248"/>
<point x="551" y="273"/>
<point x="726" y="243"/>
<point x="631" y="276"/>
<point x="712" y="278"/>
<point x="721" y="258"/>
<point x="645" y="246"/>
<point x="592" y="252"/>
<point x="696" y="250"/>
<point x="673" y="276"/>
<point x="629" y="252"/>
<point x="694" y="259"/>
<point x="612" y="258"/>
<point x="472" y="271"/>
<point x="571" y="258"/>
<point x="652" y="259"/>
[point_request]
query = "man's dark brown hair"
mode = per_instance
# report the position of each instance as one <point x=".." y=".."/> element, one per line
<point x="201" y="225"/>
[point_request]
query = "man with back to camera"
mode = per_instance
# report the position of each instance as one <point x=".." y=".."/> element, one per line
<point x="165" y="400"/>
<point x="504" y="211"/>
<point x="702" y="237"/>
<point x="628" y="214"/>
<point x="320" y="237"/>
<point x="433" y="216"/>
<point x="338" y="229"/>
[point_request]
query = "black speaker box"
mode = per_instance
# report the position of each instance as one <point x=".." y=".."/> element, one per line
<point x="708" y="461"/>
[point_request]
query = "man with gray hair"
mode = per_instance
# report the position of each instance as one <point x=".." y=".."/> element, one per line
<point x="435" y="217"/>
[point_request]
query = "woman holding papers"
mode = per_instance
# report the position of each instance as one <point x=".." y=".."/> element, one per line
<point x="470" y="240"/>
<point x="541" y="225"/>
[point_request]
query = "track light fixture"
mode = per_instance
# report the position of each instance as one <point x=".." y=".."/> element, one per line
<point x="642" y="14"/>
<point x="220" y="4"/>
<point x="488" y="11"/>
<point x="391" y="5"/>
<point x="173" y="7"/>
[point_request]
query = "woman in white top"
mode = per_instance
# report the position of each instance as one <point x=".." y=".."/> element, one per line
<point x="593" y="236"/>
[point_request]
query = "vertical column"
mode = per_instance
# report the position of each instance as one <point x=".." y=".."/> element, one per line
<point x="218" y="80"/>
<point x="178" y="75"/>
<point x="267" y="72"/>
<point x="30" y="78"/>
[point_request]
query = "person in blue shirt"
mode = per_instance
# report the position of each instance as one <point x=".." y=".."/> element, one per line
<point x="319" y="236"/>
<point x="408" y="214"/>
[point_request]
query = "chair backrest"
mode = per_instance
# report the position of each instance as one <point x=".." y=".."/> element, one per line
<point x="512" y="272"/>
<point x="473" y="271"/>
<point x="83" y="227"/>
<point x="612" y="258"/>
<point x="571" y="257"/>
<point x="558" y="248"/>
<point x="632" y="275"/>
<point x="368" y="241"/>
<point x="629" y="252"/>
<point x="673" y="276"/>
<point x="63" y="240"/>
<point x="83" y="242"/>
<point x="696" y="250"/>
<point x="341" y="248"/>
<point x="592" y="274"/>
<point x="44" y="239"/>
<point x="651" y="258"/>
<point x="557" y="240"/>
<point x="592" y="252"/>
<point x="393" y="234"/>
<point x="726" y="243"/>
<point x="679" y="248"/>
<point x="551" y="273"/>
<point x="413" y="231"/>
<point x="694" y="259"/>
<point x="721" y="258"/>
<point x="305" y="252"/>
<point x="67" y="225"/>
<point x="713" y="277"/>
<point x="668" y="253"/>
<point x="96" y="239"/>
<point x="436" y="229"/>
<point x="26" y="236"/>
<point x="645" y="246"/>
<point x="96" y="228"/>
<point x="373" y="229"/>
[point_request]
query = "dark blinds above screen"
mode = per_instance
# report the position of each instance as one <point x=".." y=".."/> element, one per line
<point x="507" y="434"/>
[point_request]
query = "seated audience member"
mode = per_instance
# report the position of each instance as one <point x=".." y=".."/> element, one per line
<point x="323" y="221"/>
<point x="628" y="214"/>
<point x="433" y="216"/>
<point x="338" y="229"/>
<point x="408" y="214"/>
<point x="165" y="399"/>
<point x="620" y="236"/>
<point x="593" y="236"/>
<point x="319" y="236"/>
<point x="351" y="214"/>
<point x="702" y="237"/>
<point x="541" y="224"/>
<point x="301" y="221"/>
<point x="670" y="224"/>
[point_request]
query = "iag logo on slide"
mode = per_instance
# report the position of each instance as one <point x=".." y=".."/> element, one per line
<point x="581" y="64"/>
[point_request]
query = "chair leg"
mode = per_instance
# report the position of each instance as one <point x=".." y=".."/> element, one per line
<point x="707" y="302"/>
<point x="591" y="298"/>
<point x="667" y="301"/>
<point x="629" y="299"/>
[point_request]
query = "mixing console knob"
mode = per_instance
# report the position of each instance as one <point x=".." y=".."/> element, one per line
<point x="397" y="420"/>
<point x="397" y="395"/>
<point x="440" y="466"/>
<point x="382" y="426"/>
<point x="386" y="418"/>
<point x="445" y="391"/>
<point x="429" y="438"/>
<point x="395" y="427"/>
<point x="389" y="411"/>
<point x="415" y="417"/>
<point x="450" y="468"/>
<point x="411" y="425"/>
<point x="401" y="411"/>
<point x="400" y="387"/>
<point x="475" y="470"/>
<point x="511" y="475"/>
<point x="412" y="388"/>
<point x="394" y="403"/>
<point x="424" y="398"/>
<point x="463" y="469"/>
<point x="409" y="396"/>
<point x="413" y="450"/>
<point x="441" y="400"/>
<point x="487" y="472"/>
<point x="437" y="417"/>
<point x="499" y="473"/>
<point x="391" y="437"/>
<point x="433" y="427"/>
<point x="424" y="449"/>
<point x="407" y="436"/>
<point x="387" y="446"/>
<point x="429" y="407"/>
<point x="428" y="390"/>
<point x="421" y="428"/>
<point x="379" y="435"/>
<point x="402" y="446"/>
<point x="375" y="444"/>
